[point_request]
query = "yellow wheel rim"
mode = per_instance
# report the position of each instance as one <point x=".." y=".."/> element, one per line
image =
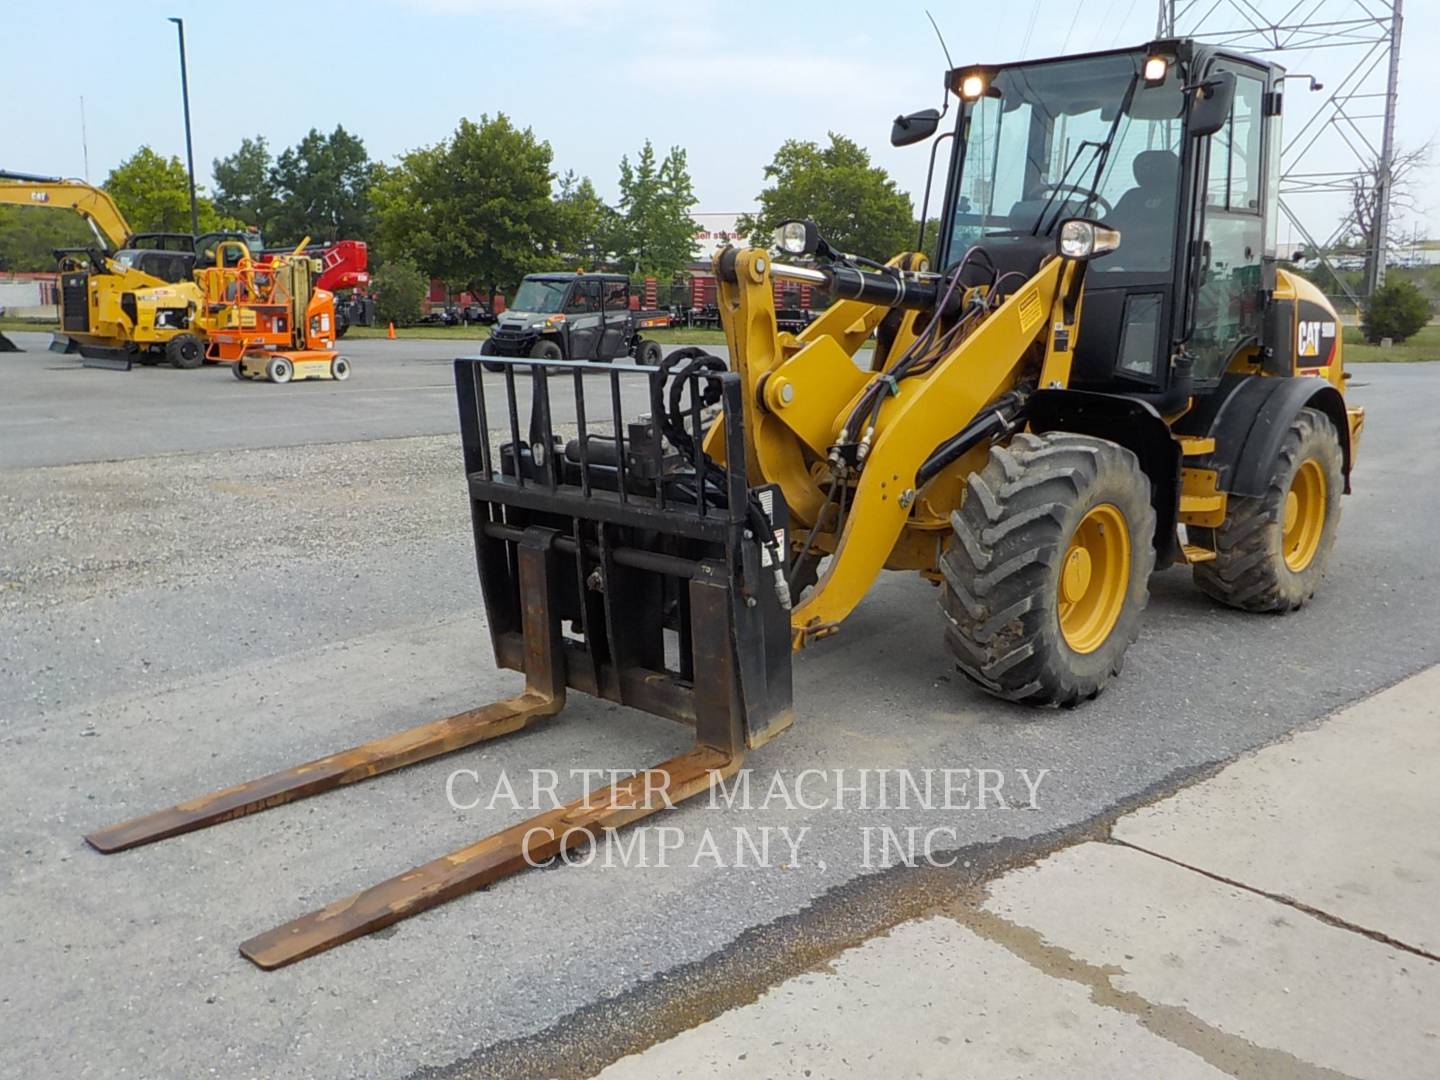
<point x="1094" y="578"/>
<point x="1304" y="519"/>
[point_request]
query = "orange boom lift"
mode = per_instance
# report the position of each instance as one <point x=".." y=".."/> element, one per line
<point x="269" y="319"/>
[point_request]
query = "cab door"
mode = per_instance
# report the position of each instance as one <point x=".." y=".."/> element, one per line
<point x="583" y="317"/>
<point x="615" y="337"/>
<point x="1229" y="278"/>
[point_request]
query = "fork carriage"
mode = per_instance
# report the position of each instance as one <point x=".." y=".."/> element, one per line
<point x="612" y="564"/>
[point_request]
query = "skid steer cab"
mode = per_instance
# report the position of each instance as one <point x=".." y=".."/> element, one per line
<point x="574" y="317"/>
<point x="1105" y="372"/>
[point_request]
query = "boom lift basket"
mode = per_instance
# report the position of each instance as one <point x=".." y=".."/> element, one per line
<point x="610" y="563"/>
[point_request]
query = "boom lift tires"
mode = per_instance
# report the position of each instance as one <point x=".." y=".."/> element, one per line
<point x="279" y="369"/>
<point x="185" y="351"/>
<point x="1270" y="553"/>
<point x="1045" y="584"/>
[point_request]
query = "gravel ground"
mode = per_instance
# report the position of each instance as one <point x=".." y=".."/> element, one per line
<point x="75" y="532"/>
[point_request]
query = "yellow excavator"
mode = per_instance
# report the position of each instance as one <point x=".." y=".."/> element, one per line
<point x="131" y="295"/>
<point x="1105" y="372"/>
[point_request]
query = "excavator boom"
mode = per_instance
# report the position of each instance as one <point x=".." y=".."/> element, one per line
<point x="53" y="192"/>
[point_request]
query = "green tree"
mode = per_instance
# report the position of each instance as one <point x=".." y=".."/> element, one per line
<point x="399" y="286"/>
<point x="153" y="192"/>
<point x="243" y="186"/>
<point x="856" y="205"/>
<point x="29" y="237"/>
<point x="321" y="187"/>
<point x="1396" y="310"/>
<point x="655" y="234"/>
<point x="584" y="227"/>
<point x="475" y="210"/>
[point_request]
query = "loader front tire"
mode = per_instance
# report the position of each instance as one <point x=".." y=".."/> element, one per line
<point x="1271" y="551"/>
<point x="1047" y="577"/>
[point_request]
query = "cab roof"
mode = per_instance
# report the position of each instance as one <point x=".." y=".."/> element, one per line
<point x="573" y="275"/>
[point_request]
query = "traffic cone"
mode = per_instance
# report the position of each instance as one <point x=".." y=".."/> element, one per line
<point x="391" y="334"/>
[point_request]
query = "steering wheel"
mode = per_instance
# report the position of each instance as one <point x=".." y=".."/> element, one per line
<point x="1088" y="196"/>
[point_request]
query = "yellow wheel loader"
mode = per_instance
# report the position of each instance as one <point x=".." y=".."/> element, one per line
<point x="1105" y="372"/>
<point x="131" y="296"/>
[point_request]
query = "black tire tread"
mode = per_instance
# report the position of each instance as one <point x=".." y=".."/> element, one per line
<point x="1249" y="571"/>
<point x="175" y="352"/>
<point x="998" y="577"/>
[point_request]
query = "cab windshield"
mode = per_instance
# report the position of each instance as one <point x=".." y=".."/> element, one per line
<point x="540" y="296"/>
<point x="1073" y="138"/>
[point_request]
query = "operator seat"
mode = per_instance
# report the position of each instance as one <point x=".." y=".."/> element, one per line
<point x="1145" y="214"/>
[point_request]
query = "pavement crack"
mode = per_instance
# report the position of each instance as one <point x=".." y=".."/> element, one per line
<point x="1289" y="901"/>
<point x="1232" y="1054"/>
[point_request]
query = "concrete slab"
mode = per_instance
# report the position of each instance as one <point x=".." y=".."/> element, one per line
<point x="932" y="999"/>
<point x="1255" y="987"/>
<point x="1341" y="818"/>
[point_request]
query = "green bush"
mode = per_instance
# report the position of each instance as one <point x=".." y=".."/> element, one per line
<point x="1397" y="310"/>
<point x="399" y="287"/>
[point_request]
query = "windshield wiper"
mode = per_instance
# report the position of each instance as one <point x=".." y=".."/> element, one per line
<point x="1060" y="186"/>
<point x="1102" y="156"/>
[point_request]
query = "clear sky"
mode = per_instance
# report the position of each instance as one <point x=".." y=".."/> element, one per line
<point x="727" y="80"/>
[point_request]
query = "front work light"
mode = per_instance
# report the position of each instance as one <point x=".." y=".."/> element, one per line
<point x="791" y="238"/>
<point x="1081" y="239"/>
<point x="972" y="86"/>
<point x="1155" y="69"/>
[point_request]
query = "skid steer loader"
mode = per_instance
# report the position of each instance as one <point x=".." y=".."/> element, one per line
<point x="1106" y="372"/>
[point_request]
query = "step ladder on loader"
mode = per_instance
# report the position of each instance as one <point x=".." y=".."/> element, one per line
<point x="594" y="553"/>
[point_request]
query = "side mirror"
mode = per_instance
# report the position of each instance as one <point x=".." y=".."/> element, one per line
<point x="1210" y="107"/>
<point x="914" y="127"/>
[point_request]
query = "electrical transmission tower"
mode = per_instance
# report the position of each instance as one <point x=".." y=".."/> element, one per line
<point x="1345" y="148"/>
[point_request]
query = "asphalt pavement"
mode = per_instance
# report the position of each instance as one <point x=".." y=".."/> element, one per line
<point x="179" y="624"/>
<point x="56" y="411"/>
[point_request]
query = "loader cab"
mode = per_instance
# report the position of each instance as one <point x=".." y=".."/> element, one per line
<point x="1151" y="142"/>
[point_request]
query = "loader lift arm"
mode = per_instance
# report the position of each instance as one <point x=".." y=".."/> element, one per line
<point x="812" y="387"/>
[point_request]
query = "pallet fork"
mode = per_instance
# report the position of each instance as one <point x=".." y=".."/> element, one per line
<point x="593" y="556"/>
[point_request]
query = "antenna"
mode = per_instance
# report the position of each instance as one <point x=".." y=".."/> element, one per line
<point x="941" y="37"/>
<point x="949" y="64"/>
<point x="84" y="140"/>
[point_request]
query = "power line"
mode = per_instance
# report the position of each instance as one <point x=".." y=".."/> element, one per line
<point x="1073" y="20"/>
<point x="1034" y="12"/>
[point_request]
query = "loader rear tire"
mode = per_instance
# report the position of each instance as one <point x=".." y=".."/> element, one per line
<point x="1047" y="577"/>
<point x="1270" y="553"/>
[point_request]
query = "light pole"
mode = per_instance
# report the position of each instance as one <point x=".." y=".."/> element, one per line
<point x="189" y="148"/>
